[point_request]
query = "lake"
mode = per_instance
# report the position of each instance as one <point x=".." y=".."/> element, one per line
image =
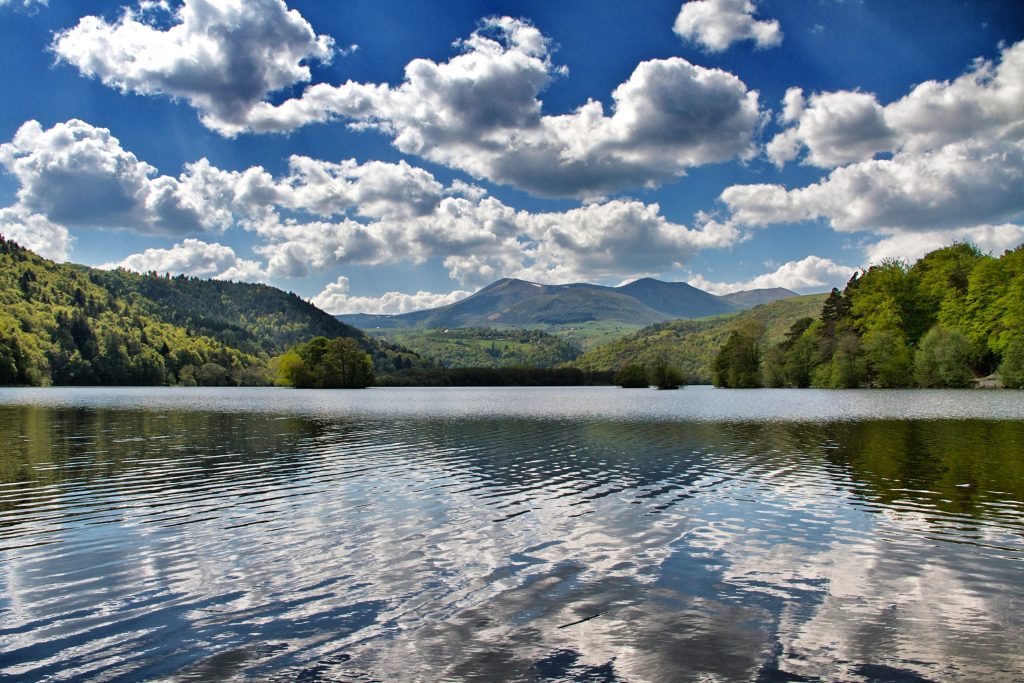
<point x="571" y="534"/>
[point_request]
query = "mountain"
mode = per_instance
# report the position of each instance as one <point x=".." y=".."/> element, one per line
<point x="517" y="303"/>
<point x="62" y="323"/>
<point x="691" y="344"/>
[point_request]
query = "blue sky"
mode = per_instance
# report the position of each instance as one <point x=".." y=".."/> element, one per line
<point x="386" y="156"/>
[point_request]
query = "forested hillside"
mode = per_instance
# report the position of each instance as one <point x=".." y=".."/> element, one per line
<point x="691" y="345"/>
<point x="954" y="315"/>
<point x="486" y="348"/>
<point x="70" y="324"/>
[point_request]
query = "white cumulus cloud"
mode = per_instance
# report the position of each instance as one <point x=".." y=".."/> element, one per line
<point x="34" y="232"/>
<point x="994" y="239"/>
<point x="842" y="127"/>
<point x="836" y="128"/>
<point x="79" y="175"/>
<point x="716" y="24"/>
<point x="954" y="170"/>
<point x="958" y="185"/>
<point x="810" y="274"/>
<point x="193" y="257"/>
<point x="222" y="56"/>
<point x="480" y="112"/>
<point x="320" y="215"/>
<point x="335" y="299"/>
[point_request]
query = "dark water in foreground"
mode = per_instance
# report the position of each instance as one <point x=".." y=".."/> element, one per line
<point x="511" y="534"/>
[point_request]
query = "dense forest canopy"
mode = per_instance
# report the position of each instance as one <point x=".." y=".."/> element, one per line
<point x="954" y="315"/>
<point x="68" y="324"/>
<point x="485" y="347"/>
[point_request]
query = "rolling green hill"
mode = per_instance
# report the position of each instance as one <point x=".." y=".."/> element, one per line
<point x="691" y="344"/>
<point x="71" y="324"/>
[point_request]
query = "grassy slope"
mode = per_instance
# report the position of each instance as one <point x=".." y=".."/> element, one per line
<point x="691" y="344"/>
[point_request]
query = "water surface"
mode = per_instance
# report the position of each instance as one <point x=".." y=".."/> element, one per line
<point x="511" y="534"/>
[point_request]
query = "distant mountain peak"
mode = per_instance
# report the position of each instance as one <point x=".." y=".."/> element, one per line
<point x="515" y="302"/>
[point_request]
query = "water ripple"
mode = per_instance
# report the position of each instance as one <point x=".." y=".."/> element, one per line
<point x="147" y="543"/>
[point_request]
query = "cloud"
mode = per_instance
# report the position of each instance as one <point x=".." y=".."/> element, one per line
<point x="222" y="57"/>
<point x="717" y="24"/>
<point x="26" y="5"/>
<point x="319" y="215"/>
<point x="842" y="127"/>
<point x="79" y="175"/>
<point x="958" y="185"/>
<point x="195" y="258"/>
<point x="605" y="240"/>
<point x="912" y="246"/>
<point x="810" y="274"/>
<point x="482" y="239"/>
<point x="335" y="299"/>
<point x="373" y="189"/>
<point x="34" y="232"/>
<point x="836" y="128"/>
<point x="479" y="112"/>
<point x="955" y="168"/>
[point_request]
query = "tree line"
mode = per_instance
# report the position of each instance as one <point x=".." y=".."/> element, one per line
<point x="953" y="316"/>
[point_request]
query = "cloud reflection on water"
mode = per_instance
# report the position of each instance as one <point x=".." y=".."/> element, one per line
<point x="439" y="548"/>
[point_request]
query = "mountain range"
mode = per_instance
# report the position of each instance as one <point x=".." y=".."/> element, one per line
<point x="512" y="302"/>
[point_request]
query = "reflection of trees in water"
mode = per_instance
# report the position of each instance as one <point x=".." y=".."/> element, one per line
<point x="957" y="467"/>
<point x="952" y="466"/>
<point x="515" y="454"/>
<point x="76" y="447"/>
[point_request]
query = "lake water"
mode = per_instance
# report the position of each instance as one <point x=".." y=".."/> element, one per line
<point x="591" y="534"/>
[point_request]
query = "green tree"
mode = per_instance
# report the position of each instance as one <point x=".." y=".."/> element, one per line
<point x="888" y="362"/>
<point x="943" y="359"/>
<point x="323" y="363"/>
<point x="885" y="298"/>
<point x="802" y="357"/>
<point x="941" y="280"/>
<point x="738" y="363"/>
<point x="1011" y="371"/>
<point x="665" y="375"/>
<point x="632" y="376"/>
<point x="773" y="366"/>
<point x="847" y="370"/>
